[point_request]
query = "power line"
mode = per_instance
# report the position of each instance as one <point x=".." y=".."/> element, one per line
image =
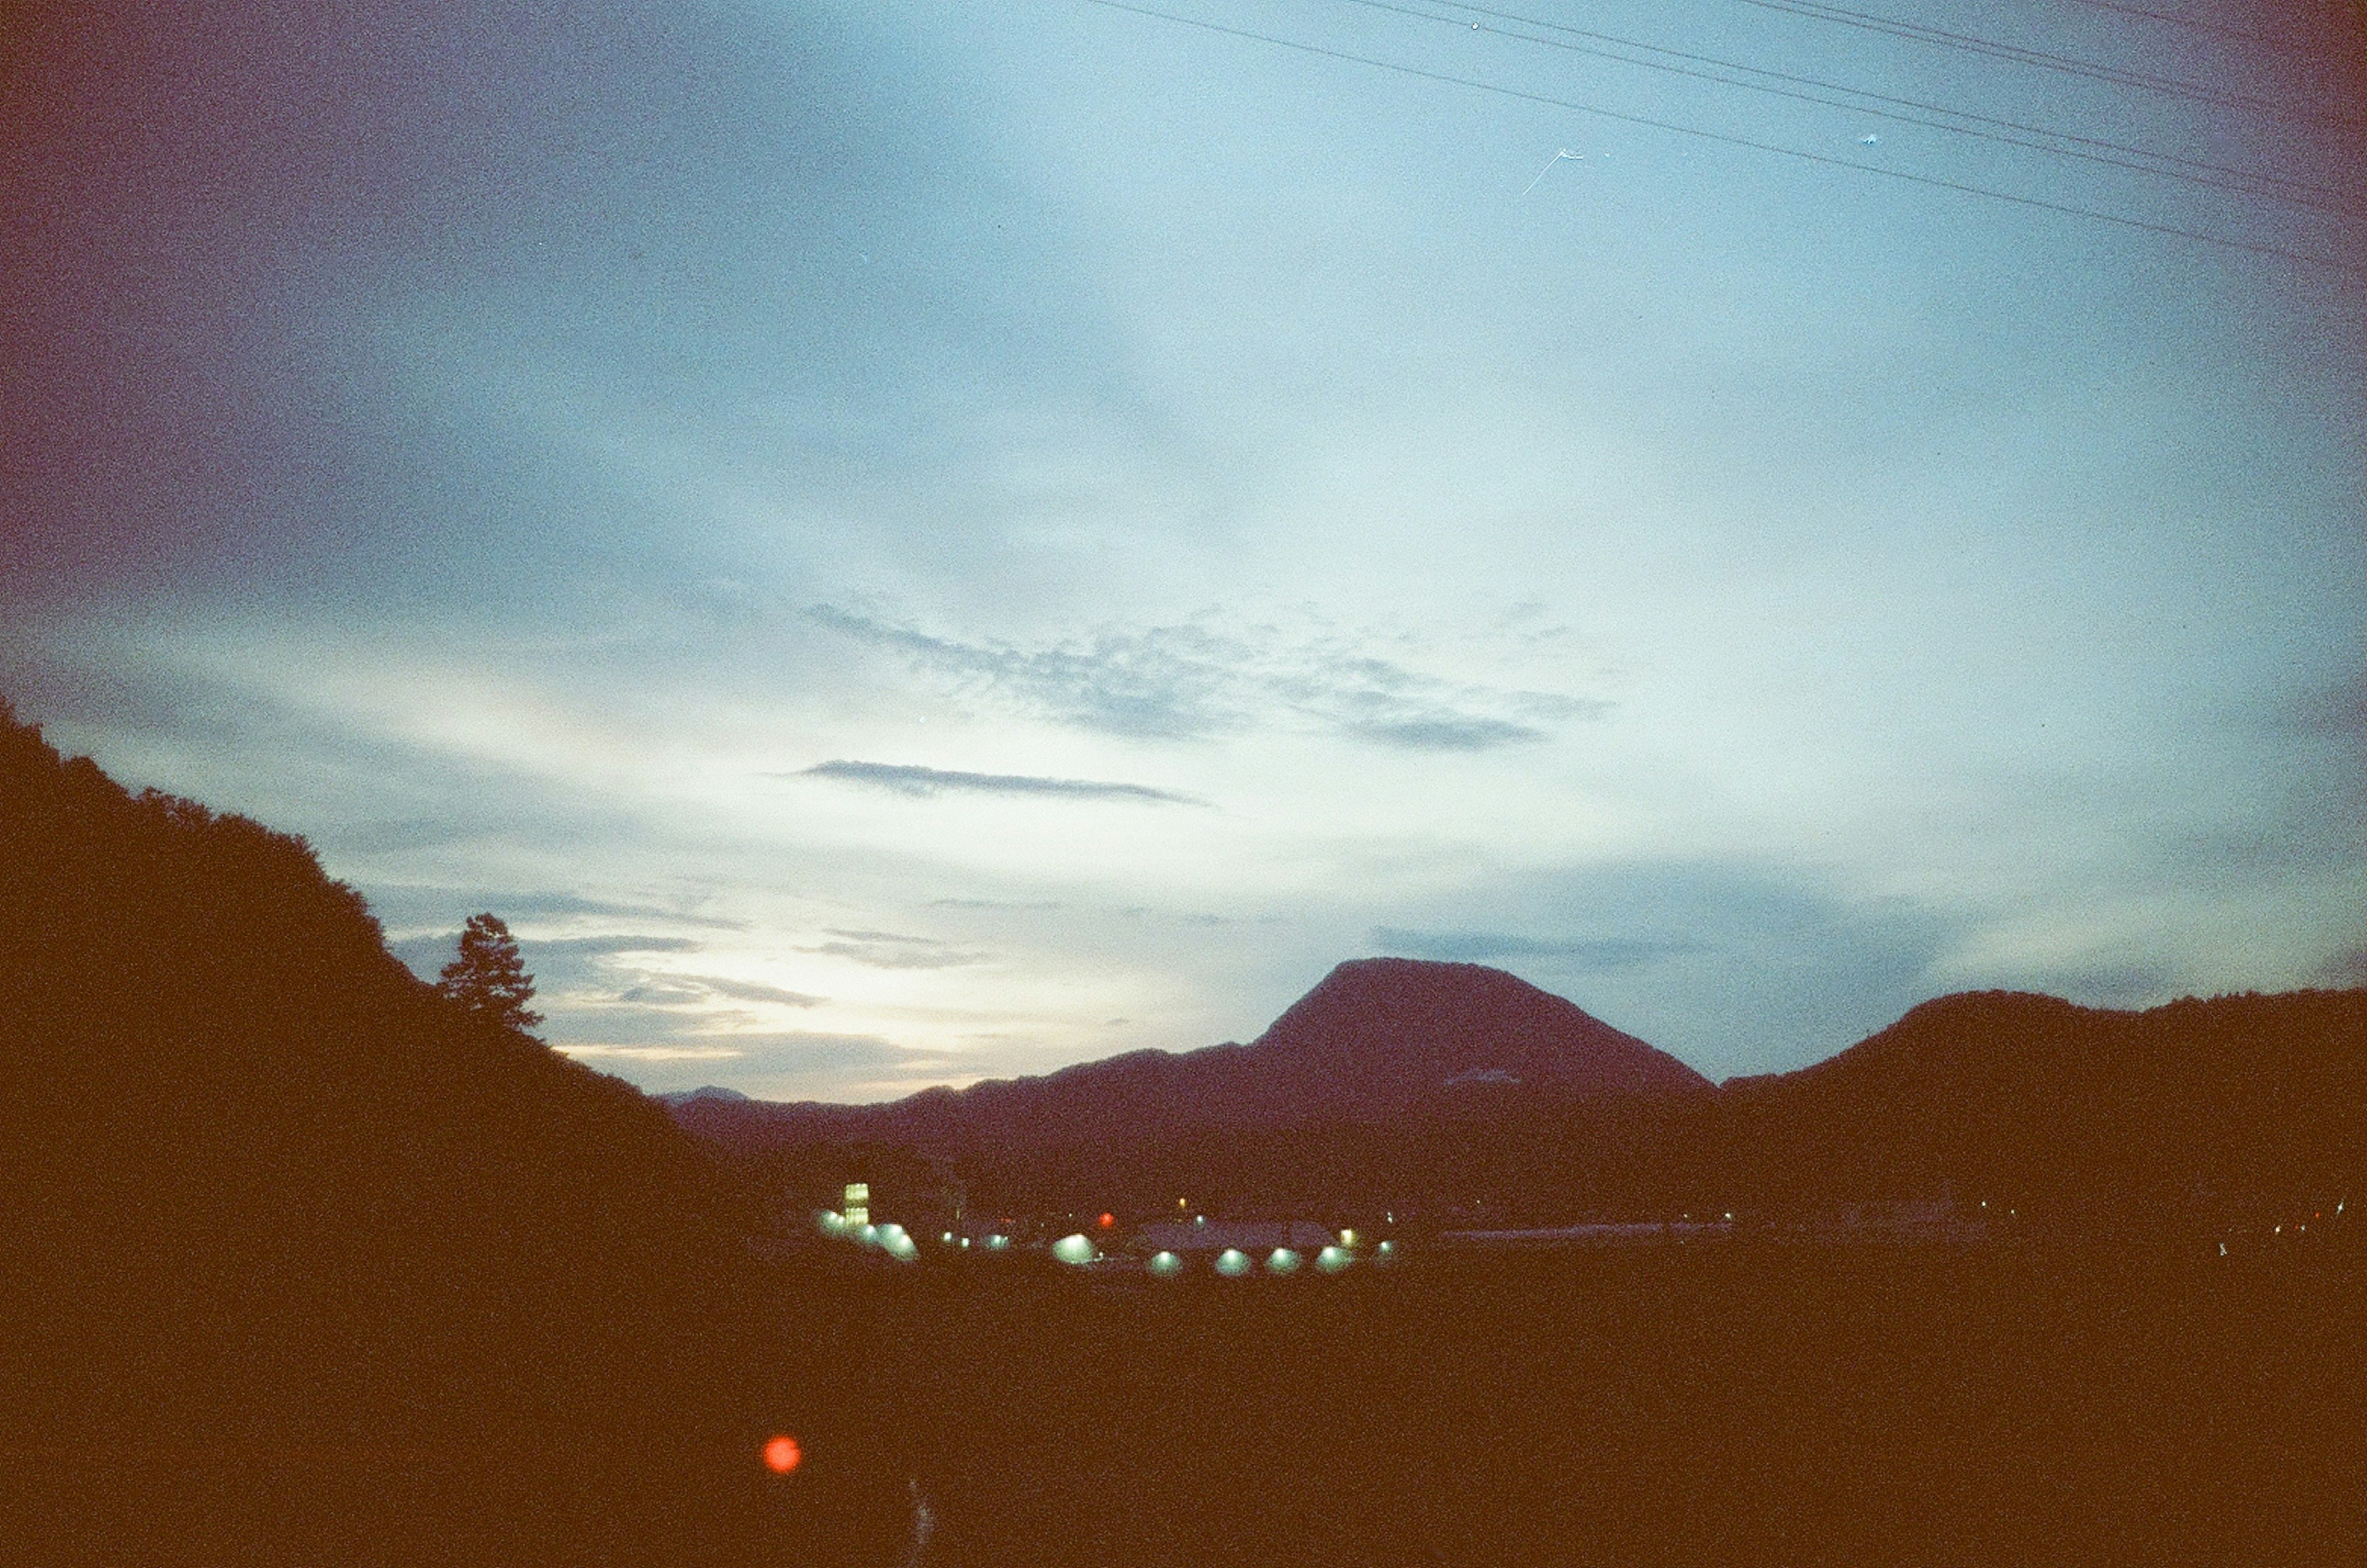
<point x="2044" y="60"/>
<point x="2254" y="246"/>
<point x="2297" y="192"/>
<point x="2200" y="26"/>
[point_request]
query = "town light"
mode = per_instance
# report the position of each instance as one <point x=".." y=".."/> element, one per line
<point x="1232" y="1263"/>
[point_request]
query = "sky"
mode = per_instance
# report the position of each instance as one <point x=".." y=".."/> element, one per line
<point x="899" y="543"/>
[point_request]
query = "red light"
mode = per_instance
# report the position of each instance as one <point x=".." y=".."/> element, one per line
<point x="782" y="1454"/>
<point x="1108" y="1219"/>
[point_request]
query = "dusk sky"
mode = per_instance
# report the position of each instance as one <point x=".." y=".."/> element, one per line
<point x="901" y="542"/>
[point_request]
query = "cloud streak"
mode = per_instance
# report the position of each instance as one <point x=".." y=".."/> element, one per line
<point x="1481" y="947"/>
<point x="1190" y="682"/>
<point x="886" y="950"/>
<point x="907" y="779"/>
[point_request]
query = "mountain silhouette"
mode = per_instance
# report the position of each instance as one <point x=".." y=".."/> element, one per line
<point x="1379" y="1033"/>
<point x="1376" y="1041"/>
<point x="1390" y="1070"/>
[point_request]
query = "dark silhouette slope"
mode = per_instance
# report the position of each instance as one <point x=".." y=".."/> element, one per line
<point x="267" y="1192"/>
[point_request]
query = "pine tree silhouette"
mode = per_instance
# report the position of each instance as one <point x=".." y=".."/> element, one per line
<point x="488" y="980"/>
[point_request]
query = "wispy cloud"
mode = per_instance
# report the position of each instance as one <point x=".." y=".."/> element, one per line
<point x="750" y="991"/>
<point x="655" y="1053"/>
<point x="1479" y="947"/>
<point x="888" y="950"/>
<point x="905" y="778"/>
<point x="1189" y="682"/>
<point x="690" y="990"/>
<point x="600" y="947"/>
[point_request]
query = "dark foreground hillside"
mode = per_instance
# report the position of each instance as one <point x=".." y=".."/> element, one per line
<point x="303" y="1265"/>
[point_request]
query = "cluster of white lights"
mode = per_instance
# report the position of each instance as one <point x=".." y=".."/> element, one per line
<point x="889" y="1238"/>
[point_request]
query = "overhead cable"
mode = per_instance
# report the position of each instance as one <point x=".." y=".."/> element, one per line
<point x="2200" y="26"/>
<point x="2273" y="188"/>
<point x="2254" y="246"/>
<point x="2092" y="70"/>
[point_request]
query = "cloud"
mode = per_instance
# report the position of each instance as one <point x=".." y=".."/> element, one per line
<point x="1448" y="733"/>
<point x="1479" y="947"/>
<point x="886" y="950"/>
<point x="1189" y="682"/>
<point x="902" y="778"/>
<point x="792" y="1065"/>
<point x="601" y="946"/>
<point x="750" y="991"/>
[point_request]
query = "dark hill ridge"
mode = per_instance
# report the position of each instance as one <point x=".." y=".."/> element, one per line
<point x="2197" y="1105"/>
<point x="1377" y="1040"/>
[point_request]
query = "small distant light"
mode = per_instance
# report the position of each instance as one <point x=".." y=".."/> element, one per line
<point x="2223" y="1249"/>
<point x="782" y="1454"/>
<point x="1181" y="1205"/>
<point x="1107" y="1220"/>
<point x="1199" y="1219"/>
<point x="949" y="1238"/>
<point x="965" y="1241"/>
<point x="1347" y="1238"/>
<point x="2280" y="1229"/>
<point x="1729" y="1214"/>
<point x="1387" y="1247"/>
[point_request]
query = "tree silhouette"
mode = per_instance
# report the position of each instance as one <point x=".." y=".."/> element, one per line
<point x="488" y="980"/>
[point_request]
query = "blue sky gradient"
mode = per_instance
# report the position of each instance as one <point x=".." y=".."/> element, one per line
<point x="905" y="542"/>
